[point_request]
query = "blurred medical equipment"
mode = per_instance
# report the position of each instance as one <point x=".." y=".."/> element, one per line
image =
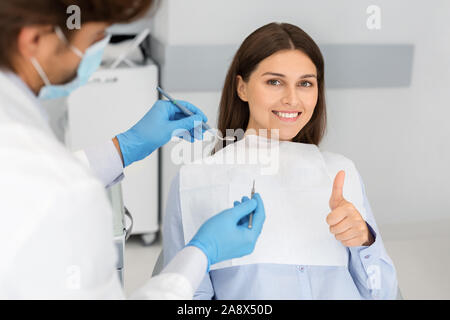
<point x="132" y="47"/>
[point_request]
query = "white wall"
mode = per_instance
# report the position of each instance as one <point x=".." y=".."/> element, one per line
<point x="229" y="22"/>
<point x="398" y="137"/>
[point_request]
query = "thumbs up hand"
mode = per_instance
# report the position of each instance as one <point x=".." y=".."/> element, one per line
<point x="345" y="221"/>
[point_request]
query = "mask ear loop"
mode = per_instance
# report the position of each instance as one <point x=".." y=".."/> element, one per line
<point x="76" y="51"/>
<point x="37" y="65"/>
<point x="39" y="70"/>
<point x="63" y="38"/>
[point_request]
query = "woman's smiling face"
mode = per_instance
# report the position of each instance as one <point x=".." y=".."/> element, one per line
<point x="282" y="93"/>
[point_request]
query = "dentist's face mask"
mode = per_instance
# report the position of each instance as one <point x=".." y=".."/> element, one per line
<point x="90" y="62"/>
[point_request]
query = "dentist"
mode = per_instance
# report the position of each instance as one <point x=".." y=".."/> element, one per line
<point x="57" y="235"/>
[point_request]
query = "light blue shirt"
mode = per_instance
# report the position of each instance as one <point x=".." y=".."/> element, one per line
<point x="370" y="273"/>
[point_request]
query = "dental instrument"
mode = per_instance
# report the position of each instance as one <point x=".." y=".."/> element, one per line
<point x="250" y="218"/>
<point x="189" y="113"/>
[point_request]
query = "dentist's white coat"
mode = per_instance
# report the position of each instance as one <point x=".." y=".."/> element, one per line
<point x="56" y="239"/>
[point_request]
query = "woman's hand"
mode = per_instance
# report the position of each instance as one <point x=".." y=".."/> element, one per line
<point x="345" y="221"/>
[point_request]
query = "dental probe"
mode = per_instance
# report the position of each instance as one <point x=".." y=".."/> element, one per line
<point x="250" y="218"/>
<point x="188" y="112"/>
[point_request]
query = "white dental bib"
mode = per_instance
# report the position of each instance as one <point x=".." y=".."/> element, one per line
<point x="295" y="184"/>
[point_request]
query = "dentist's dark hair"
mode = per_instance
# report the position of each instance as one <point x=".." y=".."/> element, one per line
<point x="17" y="14"/>
<point x="262" y="43"/>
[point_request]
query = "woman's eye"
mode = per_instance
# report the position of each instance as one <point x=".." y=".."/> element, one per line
<point x="306" y="84"/>
<point x="274" y="82"/>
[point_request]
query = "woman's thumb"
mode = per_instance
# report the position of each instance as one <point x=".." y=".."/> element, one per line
<point x="337" y="192"/>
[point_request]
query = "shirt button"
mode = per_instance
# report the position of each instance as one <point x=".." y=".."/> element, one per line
<point x="301" y="268"/>
<point x="367" y="257"/>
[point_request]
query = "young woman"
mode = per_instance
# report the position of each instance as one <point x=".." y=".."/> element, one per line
<point x="276" y="81"/>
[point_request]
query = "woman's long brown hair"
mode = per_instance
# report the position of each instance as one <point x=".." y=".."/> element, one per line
<point x="262" y="43"/>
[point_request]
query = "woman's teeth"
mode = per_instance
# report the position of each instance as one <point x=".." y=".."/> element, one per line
<point x="287" y="115"/>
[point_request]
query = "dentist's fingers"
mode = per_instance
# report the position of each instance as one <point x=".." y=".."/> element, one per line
<point x="187" y="123"/>
<point x="245" y="219"/>
<point x="243" y="209"/>
<point x="174" y="109"/>
<point x="243" y="199"/>
<point x="184" y="130"/>
<point x="197" y="133"/>
<point x="182" y="134"/>
<point x="260" y="214"/>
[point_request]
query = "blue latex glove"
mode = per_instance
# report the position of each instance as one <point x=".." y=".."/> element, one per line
<point x="157" y="127"/>
<point x="226" y="235"/>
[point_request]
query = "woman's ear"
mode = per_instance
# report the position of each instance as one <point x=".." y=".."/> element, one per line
<point x="241" y="88"/>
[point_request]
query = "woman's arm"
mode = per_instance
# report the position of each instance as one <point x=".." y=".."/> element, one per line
<point x="370" y="266"/>
<point x="173" y="237"/>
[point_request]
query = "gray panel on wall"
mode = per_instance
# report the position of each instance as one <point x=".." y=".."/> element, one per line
<point x="368" y="66"/>
<point x="203" y="68"/>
